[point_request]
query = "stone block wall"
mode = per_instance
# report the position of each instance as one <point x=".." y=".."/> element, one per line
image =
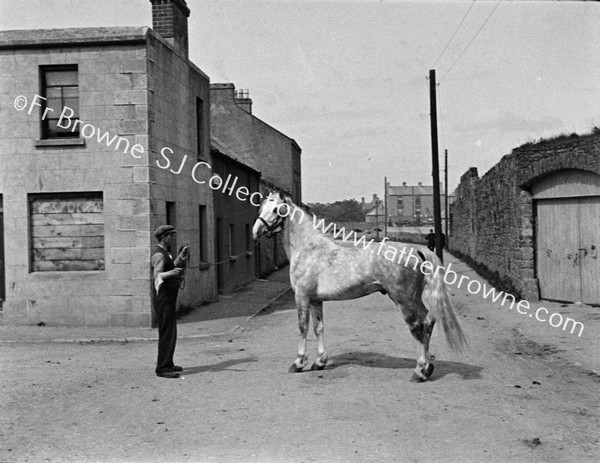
<point x="112" y="98"/>
<point x="174" y="87"/>
<point x="492" y="218"/>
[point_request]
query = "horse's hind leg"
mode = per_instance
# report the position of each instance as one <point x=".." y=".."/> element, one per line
<point x="303" y="306"/>
<point x="317" y="314"/>
<point x="420" y="323"/>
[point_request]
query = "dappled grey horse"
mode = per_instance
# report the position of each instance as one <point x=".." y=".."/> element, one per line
<point x="322" y="269"/>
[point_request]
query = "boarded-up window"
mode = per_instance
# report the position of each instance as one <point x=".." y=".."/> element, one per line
<point x="67" y="232"/>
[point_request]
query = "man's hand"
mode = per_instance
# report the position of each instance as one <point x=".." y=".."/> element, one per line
<point x="184" y="252"/>
<point x="173" y="273"/>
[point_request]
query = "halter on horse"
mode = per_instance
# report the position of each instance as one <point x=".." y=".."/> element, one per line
<point x="323" y="270"/>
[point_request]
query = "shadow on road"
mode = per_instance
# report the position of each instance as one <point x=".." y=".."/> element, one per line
<point x="375" y="360"/>
<point x="221" y="366"/>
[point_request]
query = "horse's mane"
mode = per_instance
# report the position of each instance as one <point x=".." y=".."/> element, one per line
<point x="307" y="221"/>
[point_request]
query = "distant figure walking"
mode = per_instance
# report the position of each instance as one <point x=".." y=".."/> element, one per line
<point x="430" y="240"/>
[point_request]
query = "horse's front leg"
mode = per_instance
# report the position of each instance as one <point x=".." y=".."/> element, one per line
<point x="303" y="306"/>
<point x="317" y="314"/>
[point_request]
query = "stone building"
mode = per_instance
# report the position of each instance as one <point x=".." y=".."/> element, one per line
<point x="236" y="262"/>
<point x="413" y="204"/>
<point x="257" y="144"/>
<point x="104" y="150"/>
<point x="534" y="219"/>
<point x="275" y="154"/>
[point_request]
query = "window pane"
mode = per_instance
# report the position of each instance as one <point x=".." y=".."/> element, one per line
<point x="60" y="78"/>
<point x="72" y="103"/>
<point x="55" y="105"/>
<point x="53" y="131"/>
<point x="54" y="92"/>
<point x="71" y="92"/>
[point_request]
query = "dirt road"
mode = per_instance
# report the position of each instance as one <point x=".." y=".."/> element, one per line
<point x="504" y="400"/>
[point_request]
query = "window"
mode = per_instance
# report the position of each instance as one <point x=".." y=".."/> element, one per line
<point x="248" y="238"/>
<point x="2" y="277"/>
<point x="67" y="231"/>
<point x="200" y="127"/>
<point x="60" y="87"/>
<point x="231" y="240"/>
<point x="172" y="220"/>
<point x="202" y="232"/>
<point x="400" y="205"/>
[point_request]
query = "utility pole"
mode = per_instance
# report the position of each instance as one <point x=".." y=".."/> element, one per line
<point x="435" y="166"/>
<point x="385" y="204"/>
<point x="376" y="201"/>
<point x="447" y="207"/>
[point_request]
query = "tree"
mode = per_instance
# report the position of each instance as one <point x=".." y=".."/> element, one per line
<point x="347" y="210"/>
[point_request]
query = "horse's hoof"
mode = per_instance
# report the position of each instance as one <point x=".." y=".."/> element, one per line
<point x="429" y="370"/>
<point x="415" y="378"/>
<point x="316" y="367"/>
<point x="295" y="368"/>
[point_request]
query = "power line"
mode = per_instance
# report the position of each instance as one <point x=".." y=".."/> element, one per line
<point x="453" y="35"/>
<point x="473" y="39"/>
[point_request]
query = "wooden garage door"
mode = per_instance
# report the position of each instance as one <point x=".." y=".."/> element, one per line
<point x="568" y="236"/>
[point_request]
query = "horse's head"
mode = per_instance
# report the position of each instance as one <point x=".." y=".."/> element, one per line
<point x="271" y="216"/>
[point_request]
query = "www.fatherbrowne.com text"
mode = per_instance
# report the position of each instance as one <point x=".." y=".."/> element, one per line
<point x="68" y="121"/>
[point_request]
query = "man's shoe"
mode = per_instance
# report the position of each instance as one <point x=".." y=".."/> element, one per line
<point x="176" y="368"/>
<point x="168" y="374"/>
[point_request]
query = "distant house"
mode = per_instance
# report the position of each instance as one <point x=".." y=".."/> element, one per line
<point x="376" y="215"/>
<point x="413" y="204"/>
<point x="369" y="206"/>
<point x="268" y="151"/>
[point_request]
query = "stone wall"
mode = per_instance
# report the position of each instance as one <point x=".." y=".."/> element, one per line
<point x="175" y="88"/>
<point x="492" y="218"/>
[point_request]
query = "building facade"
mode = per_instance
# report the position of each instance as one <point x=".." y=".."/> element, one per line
<point x="413" y="204"/>
<point x="263" y="148"/>
<point x="103" y="150"/>
<point x="236" y="261"/>
<point x="274" y="154"/>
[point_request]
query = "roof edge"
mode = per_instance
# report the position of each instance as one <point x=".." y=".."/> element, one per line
<point x="68" y="37"/>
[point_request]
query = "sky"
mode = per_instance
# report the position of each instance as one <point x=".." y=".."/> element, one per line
<point x="348" y="80"/>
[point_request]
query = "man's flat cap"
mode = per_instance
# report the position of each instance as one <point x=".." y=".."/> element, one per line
<point x="164" y="230"/>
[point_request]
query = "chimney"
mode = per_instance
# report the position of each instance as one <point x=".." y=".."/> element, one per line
<point x="243" y="100"/>
<point x="420" y="183"/>
<point x="169" y="19"/>
<point x="403" y="183"/>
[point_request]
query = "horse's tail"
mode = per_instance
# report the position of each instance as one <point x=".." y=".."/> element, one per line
<point x="436" y="293"/>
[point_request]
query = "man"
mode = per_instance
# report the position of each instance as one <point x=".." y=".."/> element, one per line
<point x="167" y="274"/>
<point x="430" y="240"/>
